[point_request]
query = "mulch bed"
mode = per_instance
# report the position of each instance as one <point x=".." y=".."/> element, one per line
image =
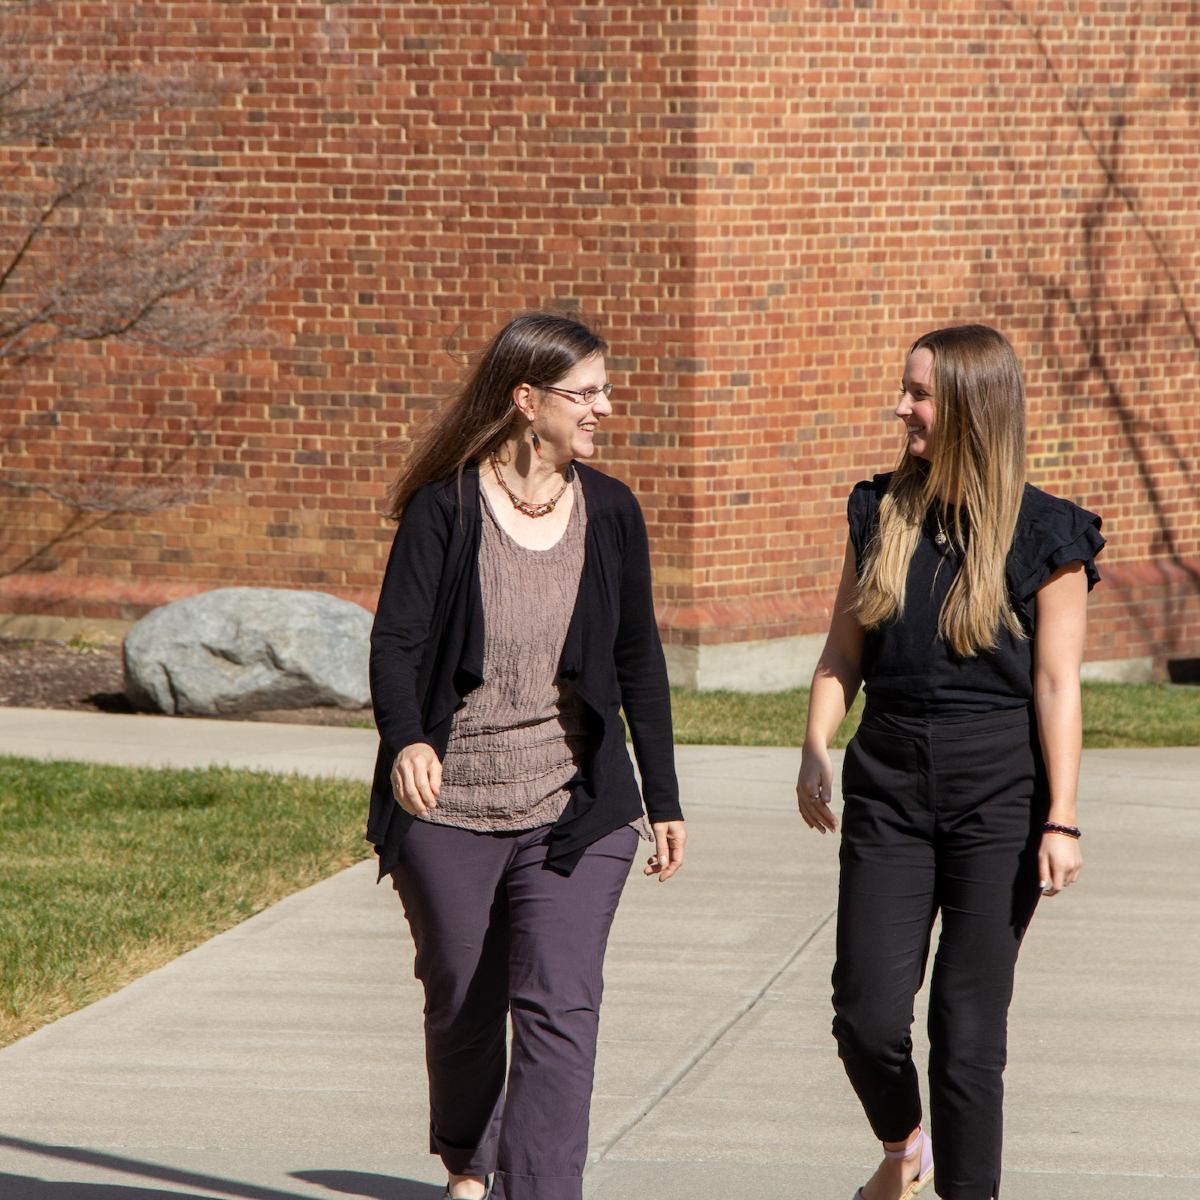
<point x="90" y="678"/>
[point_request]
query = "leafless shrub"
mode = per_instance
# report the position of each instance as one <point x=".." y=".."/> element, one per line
<point x="104" y="240"/>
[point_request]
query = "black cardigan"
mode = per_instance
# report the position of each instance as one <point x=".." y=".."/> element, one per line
<point x="427" y="654"/>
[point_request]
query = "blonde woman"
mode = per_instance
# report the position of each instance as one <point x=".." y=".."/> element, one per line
<point x="961" y="609"/>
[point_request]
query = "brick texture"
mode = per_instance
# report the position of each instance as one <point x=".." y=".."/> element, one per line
<point x="760" y="203"/>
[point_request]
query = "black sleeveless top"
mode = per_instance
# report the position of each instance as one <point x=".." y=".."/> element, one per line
<point x="907" y="668"/>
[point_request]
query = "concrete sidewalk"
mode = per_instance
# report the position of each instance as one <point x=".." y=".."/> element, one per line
<point x="283" y="1059"/>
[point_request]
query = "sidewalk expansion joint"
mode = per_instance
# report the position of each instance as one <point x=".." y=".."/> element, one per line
<point x="747" y="1007"/>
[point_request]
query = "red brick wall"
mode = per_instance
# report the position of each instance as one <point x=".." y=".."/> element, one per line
<point x="875" y="170"/>
<point x="762" y="203"/>
<point x="431" y="170"/>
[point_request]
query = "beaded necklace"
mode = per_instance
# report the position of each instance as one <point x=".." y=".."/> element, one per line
<point x="528" y="507"/>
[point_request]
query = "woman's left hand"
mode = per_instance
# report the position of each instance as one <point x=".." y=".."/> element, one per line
<point x="669" y="840"/>
<point x="1059" y="862"/>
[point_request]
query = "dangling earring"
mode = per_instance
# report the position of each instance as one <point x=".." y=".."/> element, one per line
<point x="537" y="443"/>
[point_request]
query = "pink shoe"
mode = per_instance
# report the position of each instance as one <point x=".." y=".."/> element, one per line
<point x="924" y="1175"/>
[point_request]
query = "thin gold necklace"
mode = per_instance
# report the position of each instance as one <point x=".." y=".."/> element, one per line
<point x="528" y="507"/>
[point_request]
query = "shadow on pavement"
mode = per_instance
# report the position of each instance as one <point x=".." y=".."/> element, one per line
<point x="23" y="1187"/>
<point x="27" y="1187"/>
<point x="374" y="1187"/>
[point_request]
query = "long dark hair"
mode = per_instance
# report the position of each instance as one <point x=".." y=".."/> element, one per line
<point x="537" y="348"/>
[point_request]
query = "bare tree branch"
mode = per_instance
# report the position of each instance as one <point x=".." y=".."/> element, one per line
<point x="83" y="257"/>
<point x="67" y="192"/>
<point x="103" y="494"/>
<point x="50" y="114"/>
<point x="48" y="103"/>
<point x="93" y="248"/>
<point x="1109" y="164"/>
<point x="1104" y="324"/>
<point x="168" y="291"/>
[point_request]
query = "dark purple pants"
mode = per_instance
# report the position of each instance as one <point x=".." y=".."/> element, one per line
<point x="499" y="935"/>
<point x="940" y="815"/>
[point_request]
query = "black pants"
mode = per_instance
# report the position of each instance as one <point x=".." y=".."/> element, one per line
<point x="939" y="815"/>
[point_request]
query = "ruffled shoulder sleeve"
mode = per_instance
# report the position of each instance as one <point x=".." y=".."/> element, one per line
<point x="862" y="514"/>
<point x="1051" y="533"/>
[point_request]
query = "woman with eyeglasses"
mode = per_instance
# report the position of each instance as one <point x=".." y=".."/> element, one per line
<point x="962" y="610"/>
<point x="514" y="623"/>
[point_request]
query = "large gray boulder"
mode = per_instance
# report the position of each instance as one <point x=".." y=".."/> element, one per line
<point x="239" y="649"/>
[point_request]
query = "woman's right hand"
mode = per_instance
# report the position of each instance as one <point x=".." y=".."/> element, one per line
<point x="814" y="789"/>
<point x="417" y="779"/>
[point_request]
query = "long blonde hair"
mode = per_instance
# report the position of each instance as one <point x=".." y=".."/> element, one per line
<point x="973" y="482"/>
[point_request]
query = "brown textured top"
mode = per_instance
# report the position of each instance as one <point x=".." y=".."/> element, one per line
<point x="517" y="739"/>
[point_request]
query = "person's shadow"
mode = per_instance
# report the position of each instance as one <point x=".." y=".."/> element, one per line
<point x="188" y="1185"/>
<point x="23" y="1187"/>
<point x="352" y="1183"/>
<point x="374" y="1187"/>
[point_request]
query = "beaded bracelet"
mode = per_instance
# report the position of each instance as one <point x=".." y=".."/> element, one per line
<point x="1071" y="831"/>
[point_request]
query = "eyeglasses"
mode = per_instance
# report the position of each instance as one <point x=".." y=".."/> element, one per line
<point x="589" y="396"/>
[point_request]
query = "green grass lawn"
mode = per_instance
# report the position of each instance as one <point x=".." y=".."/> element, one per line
<point x="1114" y="714"/>
<point x="107" y="872"/>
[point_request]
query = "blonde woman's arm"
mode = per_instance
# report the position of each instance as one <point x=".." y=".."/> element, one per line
<point x="835" y="684"/>
<point x="1061" y="627"/>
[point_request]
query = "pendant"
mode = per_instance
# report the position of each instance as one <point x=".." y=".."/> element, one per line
<point x="940" y="538"/>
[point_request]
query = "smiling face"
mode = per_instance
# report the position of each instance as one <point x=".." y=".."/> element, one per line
<point x="916" y="406"/>
<point x="567" y="429"/>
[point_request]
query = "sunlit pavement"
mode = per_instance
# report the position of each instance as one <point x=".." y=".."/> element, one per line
<point x="283" y="1059"/>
